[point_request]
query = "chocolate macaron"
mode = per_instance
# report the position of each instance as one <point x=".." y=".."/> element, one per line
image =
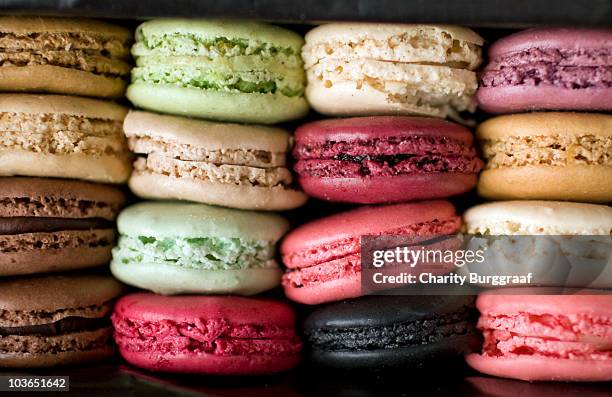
<point x="56" y="320"/>
<point x="51" y="225"/>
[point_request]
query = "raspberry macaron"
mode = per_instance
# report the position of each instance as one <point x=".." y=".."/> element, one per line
<point x="226" y="335"/>
<point x="323" y="257"/>
<point x="385" y="159"/>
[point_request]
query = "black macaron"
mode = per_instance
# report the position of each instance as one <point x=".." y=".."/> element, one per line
<point x="385" y="332"/>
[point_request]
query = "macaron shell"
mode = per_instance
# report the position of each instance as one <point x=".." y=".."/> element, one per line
<point x="215" y="105"/>
<point x="343" y="288"/>
<point x="537" y="368"/>
<point x="171" y="280"/>
<point x="583" y="183"/>
<point x="54" y="359"/>
<point x="394" y="189"/>
<point x="157" y="186"/>
<point x="513" y="99"/>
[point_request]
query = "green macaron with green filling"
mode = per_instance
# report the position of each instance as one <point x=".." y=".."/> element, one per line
<point x="187" y="248"/>
<point x="239" y="71"/>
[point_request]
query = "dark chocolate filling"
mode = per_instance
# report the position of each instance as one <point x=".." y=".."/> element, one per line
<point x="393" y="336"/>
<point x="64" y="326"/>
<point x="19" y="225"/>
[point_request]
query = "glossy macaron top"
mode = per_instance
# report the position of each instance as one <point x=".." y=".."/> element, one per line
<point x="378" y="311"/>
<point x="379" y="127"/>
<point x="29" y="25"/>
<point x="363" y="221"/>
<point x="177" y="219"/>
<point x="42" y="197"/>
<point x="540" y="301"/>
<point x="203" y="134"/>
<point x="546" y="124"/>
<point x="539" y="217"/>
<point x="237" y="310"/>
<point x="57" y="293"/>
<point x="553" y="38"/>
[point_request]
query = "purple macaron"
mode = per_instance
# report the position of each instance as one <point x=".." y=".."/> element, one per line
<point x="548" y="69"/>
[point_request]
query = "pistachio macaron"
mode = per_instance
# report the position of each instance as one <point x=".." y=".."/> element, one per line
<point x="188" y="248"/>
<point x="232" y="165"/>
<point x="223" y="70"/>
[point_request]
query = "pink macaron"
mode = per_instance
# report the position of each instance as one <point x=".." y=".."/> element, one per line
<point x="385" y="159"/>
<point x="548" y="69"/>
<point x="323" y="257"/>
<point x="206" y="334"/>
<point x="532" y="336"/>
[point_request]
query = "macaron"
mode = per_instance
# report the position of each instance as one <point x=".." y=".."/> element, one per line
<point x="225" y="335"/>
<point x="49" y="321"/>
<point x="385" y="159"/>
<point x="187" y="248"/>
<point x="49" y="225"/>
<point x="391" y="332"/>
<point x="549" y="69"/>
<point x="63" y="137"/>
<point x="69" y="56"/>
<point x="547" y="156"/>
<point x="241" y="71"/>
<point x="323" y="257"/>
<point x="359" y="69"/>
<point x="532" y="336"/>
<point x="232" y="165"/>
<point x="581" y="258"/>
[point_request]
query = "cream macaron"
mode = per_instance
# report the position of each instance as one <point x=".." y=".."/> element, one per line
<point x="231" y="165"/>
<point x="547" y="156"/>
<point x="63" y="137"/>
<point x="377" y="69"/>
<point x="561" y="243"/>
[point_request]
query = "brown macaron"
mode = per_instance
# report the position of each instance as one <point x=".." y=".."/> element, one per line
<point x="56" y="320"/>
<point x="547" y="156"/>
<point x="64" y="56"/>
<point x="49" y="225"/>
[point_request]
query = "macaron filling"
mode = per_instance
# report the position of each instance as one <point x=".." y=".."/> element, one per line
<point x="562" y="68"/>
<point x="210" y="253"/>
<point x="400" y="335"/>
<point x="386" y="157"/>
<point x="342" y="258"/>
<point x="571" y="336"/>
<point x="204" y="336"/>
<point x="554" y="150"/>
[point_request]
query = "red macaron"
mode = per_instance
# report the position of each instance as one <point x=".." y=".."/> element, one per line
<point x="217" y="335"/>
<point x="385" y="159"/>
<point x="323" y="257"/>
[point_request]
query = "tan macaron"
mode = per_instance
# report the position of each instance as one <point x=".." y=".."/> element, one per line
<point x="63" y="137"/>
<point x="376" y="69"/>
<point x="232" y="165"/>
<point x="64" y="56"/>
<point x="547" y="156"/>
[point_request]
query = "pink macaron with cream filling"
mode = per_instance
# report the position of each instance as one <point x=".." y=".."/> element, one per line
<point x="532" y="336"/>
<point x="385" y="159"/>
<point x="323" y="257"/>
<point x="219" y="335"/>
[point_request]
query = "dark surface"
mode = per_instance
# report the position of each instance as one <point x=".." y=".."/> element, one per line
<point x="19" y="225"/>
<point x="515" y="13"/>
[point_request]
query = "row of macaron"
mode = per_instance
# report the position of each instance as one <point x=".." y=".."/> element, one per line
<point x="64" y="320"/>
<point x="252" y="72"/>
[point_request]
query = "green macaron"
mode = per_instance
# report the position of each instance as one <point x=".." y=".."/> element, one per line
<point x="223" y="70"/>
<point x="184" y="248"/>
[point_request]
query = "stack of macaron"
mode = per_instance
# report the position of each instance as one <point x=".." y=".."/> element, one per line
<point x="210" y="232"/>
<point x="552" y="159"/>
<point x="62" y="153"/>
<point x="398" y="155"/>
